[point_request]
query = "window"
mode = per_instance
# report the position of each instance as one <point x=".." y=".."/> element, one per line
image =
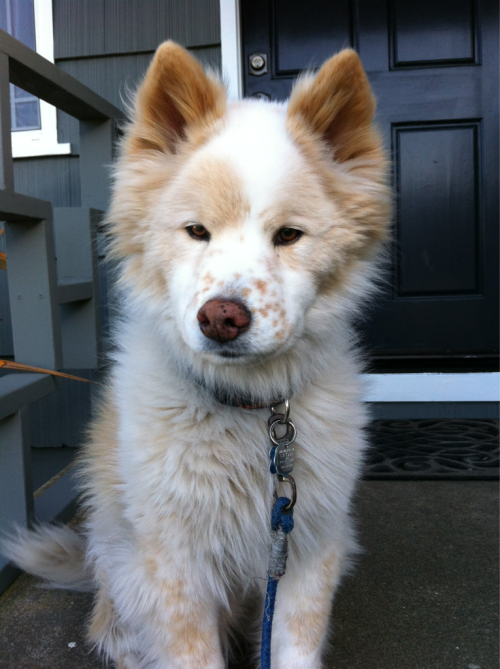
<point x="33" y="121"/>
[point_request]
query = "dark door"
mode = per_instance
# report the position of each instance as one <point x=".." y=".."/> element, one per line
<point x="433" y="65"/>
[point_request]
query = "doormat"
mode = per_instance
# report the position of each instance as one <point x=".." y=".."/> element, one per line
<point x="433" y="449"/>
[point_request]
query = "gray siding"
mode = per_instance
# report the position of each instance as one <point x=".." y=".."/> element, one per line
<point x="117" y="77"/>
<point x="97" y="27"/>
<point x="55" y="178"/>
<point x="60" y="419"/>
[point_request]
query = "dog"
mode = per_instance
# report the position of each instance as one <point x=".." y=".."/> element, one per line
<point x="248" y="235"/>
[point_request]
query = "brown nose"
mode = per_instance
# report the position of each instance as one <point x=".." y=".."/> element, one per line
<point x="223" y="320"/>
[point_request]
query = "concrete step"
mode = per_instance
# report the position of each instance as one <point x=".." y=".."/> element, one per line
<point x="424" y="594"/>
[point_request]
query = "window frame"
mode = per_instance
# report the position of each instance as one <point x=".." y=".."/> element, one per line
<point x="43" y="141"/>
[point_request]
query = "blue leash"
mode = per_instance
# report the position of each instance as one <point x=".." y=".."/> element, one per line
<point x="282" y="525"/>
<point x="282" y="456"/>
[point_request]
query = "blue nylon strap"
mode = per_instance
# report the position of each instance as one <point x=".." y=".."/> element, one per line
<point x="280" y="517"/>
<point x="267" y="624"/>
<point x="284" y="520"/>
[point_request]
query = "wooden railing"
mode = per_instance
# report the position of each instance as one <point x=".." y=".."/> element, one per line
<point x="44" y="334"/>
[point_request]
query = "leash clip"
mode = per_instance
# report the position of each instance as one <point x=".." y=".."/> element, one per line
<point x="293" y="498"/>
<point x="286" y="415"/>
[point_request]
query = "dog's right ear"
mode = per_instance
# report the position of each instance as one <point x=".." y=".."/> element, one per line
<point x="175" y="94"/>
<point x="337" y="104"/>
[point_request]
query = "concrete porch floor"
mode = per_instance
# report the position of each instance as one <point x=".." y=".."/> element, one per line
<point x="424" y="594"/>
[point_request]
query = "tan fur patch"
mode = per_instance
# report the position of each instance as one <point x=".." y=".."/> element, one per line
<point x="103" y="617"/>
<point x="151" y="565"/>
<point x="308" y="629"/>
<point x="215" y="191"/>
<point x="172" y="592"/>
<point x="189" y="640"/>
<point x="309" y="626"/>
<point x="99" y="460"/>
<point x="261" y="286"/>
<point x="105" y="629"/>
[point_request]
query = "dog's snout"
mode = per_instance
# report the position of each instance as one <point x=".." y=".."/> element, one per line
<point x="223" y="320"/>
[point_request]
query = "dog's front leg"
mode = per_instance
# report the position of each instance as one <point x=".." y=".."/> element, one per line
<point x="186" y="627"/>
<point x="302" y="611"/>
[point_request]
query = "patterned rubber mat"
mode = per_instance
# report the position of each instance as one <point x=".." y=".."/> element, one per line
<point x="433" y="449"/>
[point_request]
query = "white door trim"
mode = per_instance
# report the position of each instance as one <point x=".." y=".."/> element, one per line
<point x="435" y="387"/>
<point x="231" y="47"/>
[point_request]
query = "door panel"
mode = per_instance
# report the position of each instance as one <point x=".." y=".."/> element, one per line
<point x="433" y="66"/>
<point x="438" y="222"/>
<point x="432" y="32"/>
<point x="294" y="22"/>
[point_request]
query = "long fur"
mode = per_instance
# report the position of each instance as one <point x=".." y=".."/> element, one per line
<point x="176" y="485"/>
<point x="54" y="553"/>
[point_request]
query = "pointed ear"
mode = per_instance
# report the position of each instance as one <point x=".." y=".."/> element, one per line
<point x="338" y="105"/>
<point x="175" y="94"/>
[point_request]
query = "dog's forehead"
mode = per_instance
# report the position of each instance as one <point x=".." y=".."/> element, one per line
<point x="257" y="148"/>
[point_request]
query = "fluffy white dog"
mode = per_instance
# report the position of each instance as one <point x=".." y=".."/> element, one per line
<point x="248" y="235"/>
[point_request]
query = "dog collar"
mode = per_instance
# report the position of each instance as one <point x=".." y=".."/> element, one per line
<point x="248" y="403"/>
<point x="230" y="399"/>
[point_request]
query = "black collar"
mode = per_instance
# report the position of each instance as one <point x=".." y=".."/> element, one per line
<point x="242" y="402"/>
<point x="232" y="398"/>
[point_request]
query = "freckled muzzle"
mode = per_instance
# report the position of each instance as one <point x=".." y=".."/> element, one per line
<point x="223" y="320"/>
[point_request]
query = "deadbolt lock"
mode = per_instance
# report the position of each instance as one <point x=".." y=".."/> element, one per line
<point x="257" y="63"/>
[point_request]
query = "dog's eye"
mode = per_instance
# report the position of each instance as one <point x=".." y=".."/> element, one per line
<point x="198" y="232"/>
<point x="287" y="236"/>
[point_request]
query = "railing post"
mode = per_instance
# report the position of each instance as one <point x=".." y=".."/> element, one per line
<point x="96" y="156"/>
<point x="6" y="166"/>
<point x="75" y="231"/>
<point x="33" y="295"/>
<point x="16" y="489"/>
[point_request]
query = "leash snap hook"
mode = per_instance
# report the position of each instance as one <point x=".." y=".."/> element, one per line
<point x="293" y="499"/>
<point x="286" y="415"/>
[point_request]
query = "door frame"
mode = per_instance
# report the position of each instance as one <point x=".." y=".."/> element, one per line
<point x="231" y="52"/>
<point x="421" y="387"/>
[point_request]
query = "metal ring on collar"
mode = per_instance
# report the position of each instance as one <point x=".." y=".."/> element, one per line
<point x="287" y="411"/>
<point x="275" y="441"/>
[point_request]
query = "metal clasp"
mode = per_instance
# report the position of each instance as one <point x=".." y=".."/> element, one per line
<point x="291" y="481"/>
<point x="286" y="414"/>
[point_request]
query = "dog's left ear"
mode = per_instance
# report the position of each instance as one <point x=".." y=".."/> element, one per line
<point x="175" y="94"/>
<point x="337" y="104"/>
